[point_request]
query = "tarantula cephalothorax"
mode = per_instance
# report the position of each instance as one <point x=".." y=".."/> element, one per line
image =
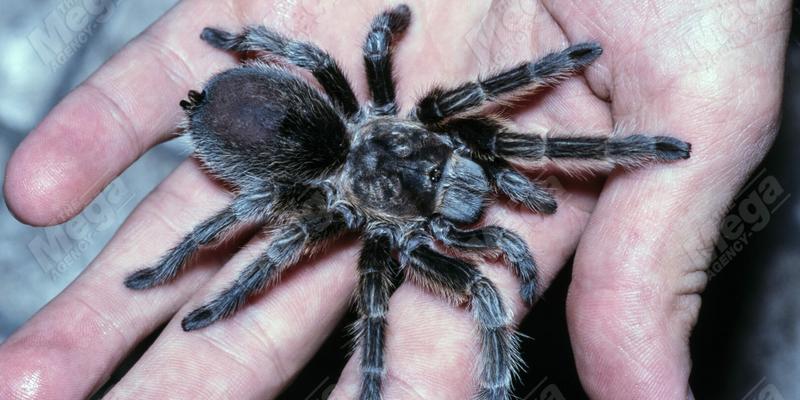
<point x="313" y="165"/>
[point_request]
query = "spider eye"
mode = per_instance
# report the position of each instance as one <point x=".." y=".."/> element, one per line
<point x="435" y="174"/>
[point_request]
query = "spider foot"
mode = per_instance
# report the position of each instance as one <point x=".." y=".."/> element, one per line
<point x="669" y="149"/>
<point x="584" y="54"/>
<point x="217" y="37"/>
<point x="195" y="99"/>
<point x="500" y="393"/>
<point x="528" y="292"/>
<point x="145" y="278"/>
<point x="201" y="318"/>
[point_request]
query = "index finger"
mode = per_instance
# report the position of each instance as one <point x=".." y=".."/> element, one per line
<point x="123" y="109"/>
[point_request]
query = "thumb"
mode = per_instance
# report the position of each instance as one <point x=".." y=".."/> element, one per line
<point x="641" y="265"/>
<point x="634" y="296"/>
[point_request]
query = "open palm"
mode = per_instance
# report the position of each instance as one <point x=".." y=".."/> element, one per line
<point x="708" y="72"/>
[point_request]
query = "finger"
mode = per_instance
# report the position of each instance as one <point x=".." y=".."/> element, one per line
<point x="258" y="350"/>
<point x="106" y="123"/>
<point x="93" y="323"/>
<point x="634" y="299"/>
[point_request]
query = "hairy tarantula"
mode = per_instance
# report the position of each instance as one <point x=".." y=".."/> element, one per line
<point x="314" y="165"/>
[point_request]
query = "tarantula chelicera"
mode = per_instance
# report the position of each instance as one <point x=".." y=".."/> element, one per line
<point x="313" y="164"/>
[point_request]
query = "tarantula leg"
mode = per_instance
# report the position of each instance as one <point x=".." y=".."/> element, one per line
<point x="286" y="247"/>
<point x="169" y="265"/>
<point x="519" y="188"/>
<point x="491" y="141"/>
<point x="378" y="56"/>
<point x="372" y="299"/>
<point x="440" y="104"/>
<point x="493" y="240"/>
<point x="628" y="151"/>
<point x="302" y="54"/>
<point x="459" y="280"/>
<point x="257" y="205"/>
<point x="480" y="136"/>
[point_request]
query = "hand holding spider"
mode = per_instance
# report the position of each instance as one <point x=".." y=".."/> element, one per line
<point x="638" y="210"/>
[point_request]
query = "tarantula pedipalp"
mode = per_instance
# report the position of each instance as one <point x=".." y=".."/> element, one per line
<point x="314" y="165"/>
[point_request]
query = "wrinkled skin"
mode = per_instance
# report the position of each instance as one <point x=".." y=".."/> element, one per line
<point x="709" y="72"/>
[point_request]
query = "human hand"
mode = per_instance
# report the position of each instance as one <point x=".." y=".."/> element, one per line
<point x="637" y="294"/>
<point x="712" y="73"/>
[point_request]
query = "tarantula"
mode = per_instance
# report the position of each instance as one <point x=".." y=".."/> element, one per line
<point x="314" y="164"/>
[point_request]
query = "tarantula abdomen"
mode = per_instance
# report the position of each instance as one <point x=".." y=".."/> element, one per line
<point x="263" y="121"/>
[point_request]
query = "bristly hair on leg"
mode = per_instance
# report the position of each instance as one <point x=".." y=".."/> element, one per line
<point x="440" y="104"/>
<point x="375" y="268"/>
<point x="458" y="280"/>
<point x="284" y="249"/>
<point x="493" y="241"/>
<point x="378" y="46"/>
<point x="169" y="265"/>
<point x="583" y="155"/>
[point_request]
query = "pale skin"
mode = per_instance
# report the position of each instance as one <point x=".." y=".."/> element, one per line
<point x="709" y="72"/>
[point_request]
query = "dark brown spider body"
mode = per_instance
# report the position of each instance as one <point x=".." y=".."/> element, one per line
<point x="262" y="121"/>
<point x="392" y="168"/>
<point x="315" y="164"/>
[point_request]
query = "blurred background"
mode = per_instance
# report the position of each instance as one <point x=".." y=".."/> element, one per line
<point x="747" y="341"/>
